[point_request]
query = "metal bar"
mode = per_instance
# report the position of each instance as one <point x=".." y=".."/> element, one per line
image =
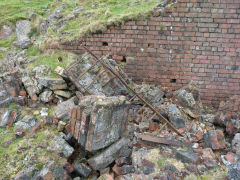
<point x="81" y="75"/>
<point x="170" y="125"/>
<point x="96" y="78"/>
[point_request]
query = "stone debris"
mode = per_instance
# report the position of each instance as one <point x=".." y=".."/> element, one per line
<point x="106" y="157"/>
<point x="100" y="134"/>
<point x="5" y="32"/>
<point x="60" y="146"/>
<point x="236" y="144"/>
<point x="234" y="171"/>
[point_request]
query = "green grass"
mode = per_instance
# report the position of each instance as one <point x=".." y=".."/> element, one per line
<point x="108" y="12"/>
<point x="13" y="10"/>
<point x="50" y="58"/>
<point x="11" y="161"/>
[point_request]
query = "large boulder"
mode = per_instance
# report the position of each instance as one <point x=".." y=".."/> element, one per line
<point x="99" y="121"/>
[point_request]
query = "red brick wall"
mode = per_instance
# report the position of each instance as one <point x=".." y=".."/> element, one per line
<point x="196" y="40"/>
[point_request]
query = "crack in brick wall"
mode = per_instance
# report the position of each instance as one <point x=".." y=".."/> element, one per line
<point x="195" y="40"/>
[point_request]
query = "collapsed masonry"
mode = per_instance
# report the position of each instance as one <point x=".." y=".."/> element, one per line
<point x="114" y="133"/>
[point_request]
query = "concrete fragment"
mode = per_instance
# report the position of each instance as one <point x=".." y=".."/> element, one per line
<point x="99" y="121"/>
<point x="60" y="146"/>
<point x="106" y="157"/>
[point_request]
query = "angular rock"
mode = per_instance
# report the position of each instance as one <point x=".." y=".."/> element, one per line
<point x="152" y="94"/>
<point x="62" y="110"/>
<point x="31" y="86"/>
<point x="60" y="146"/>
<point x="185" y="98"/>
<point x="52" y="83"/>
<point x="106" y="157"/>
<point x="41" y="71"/>
<point x="23" y="28"/>
<point x="5" y="32"/>
<point x="46" y="96"/>
<point x="236" y="144"/>
<point x="26" y="173"/>
<point x="61" y="72"/>
<point x="125" y="169"/>
<point x="214" y="139"/>
<point x="175" y="116"/>
<point x="209" y="158"/>
<point x="229" y="158"/>
<point x="51" y="171"/>
<point x="233" y="126"/>
<point x="234" y="171"/>
<point x="82" y="169"/>
<point x="8" y="117"/>
<point x="188" y="157"/>
<point x="27" y="122"/>
<point x="99" y="121"/>
<point x="66" y="94"/>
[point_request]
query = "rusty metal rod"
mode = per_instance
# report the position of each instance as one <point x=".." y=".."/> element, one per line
<point x="170" y="125"/>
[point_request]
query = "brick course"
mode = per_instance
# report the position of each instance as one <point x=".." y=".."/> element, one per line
<point x="195" y="40"/>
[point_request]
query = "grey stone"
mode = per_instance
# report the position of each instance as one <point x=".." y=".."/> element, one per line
<point x="60" y="146"/>
<point x="236" y="144"/>
<point x="175" y="116"/>
<point x="62" y="110"/>
<point x="23" y="28"/>
<point x="185" y="98"/>
<point x="27" y="122"/>
<point x="234" y="171"/>
<point x="52" y="83"/>
<point x="208" y="117"/>
<point x="106" y="157"/>
<point x="82" y="169"/>
<point x="5" y="32"/>
<point x="4" y="118"/>
<point x="46" y="96"/>
<point x="106" y="118"/>
<point x="31" y="86"/>
<point x="66" y="94"/>
<point x="41" y="71"/>
<point x="187" y="157"/>
<point x="151" y="93"/>
<point x="26" y="173"/>
<point x="61" y="71"/>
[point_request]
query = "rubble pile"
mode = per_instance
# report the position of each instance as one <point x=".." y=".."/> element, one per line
<point x="105" y="133"/>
